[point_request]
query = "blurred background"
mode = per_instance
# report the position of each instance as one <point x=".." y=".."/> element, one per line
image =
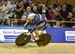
<point x="12" y="11"/>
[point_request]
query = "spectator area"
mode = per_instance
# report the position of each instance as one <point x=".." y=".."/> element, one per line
<point x="59" y="13"/>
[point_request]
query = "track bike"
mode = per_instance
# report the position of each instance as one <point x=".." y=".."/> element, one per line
<point x="24" y="38"/>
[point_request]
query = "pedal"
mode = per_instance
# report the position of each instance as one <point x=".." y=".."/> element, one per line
<point x="32" y="40"/>
<point x="36" y="38"/>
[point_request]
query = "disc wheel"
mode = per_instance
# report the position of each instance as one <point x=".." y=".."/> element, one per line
<point x="44" y="39"/>
<point x="22" y="39"/>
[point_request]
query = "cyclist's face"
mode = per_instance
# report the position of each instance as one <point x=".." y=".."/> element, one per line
<point x="31" y="20"/>
<point x="23" y="18"/>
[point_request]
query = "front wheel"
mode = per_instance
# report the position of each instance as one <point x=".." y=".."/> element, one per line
<point x="44" y="39"/>
<point x="22" y="39"/>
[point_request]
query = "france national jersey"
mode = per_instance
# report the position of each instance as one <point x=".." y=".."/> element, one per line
<point x="38" y="21"/>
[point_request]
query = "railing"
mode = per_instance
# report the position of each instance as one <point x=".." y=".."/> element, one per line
<point x="48" y="22"/>
<point x="62" y="21"/>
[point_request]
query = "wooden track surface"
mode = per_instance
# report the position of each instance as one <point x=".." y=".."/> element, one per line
<point x="32" y="48"/>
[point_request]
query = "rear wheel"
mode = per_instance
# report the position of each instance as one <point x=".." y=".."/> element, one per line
<point x="22" y="39"/>
<point x="44" y="39"/>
